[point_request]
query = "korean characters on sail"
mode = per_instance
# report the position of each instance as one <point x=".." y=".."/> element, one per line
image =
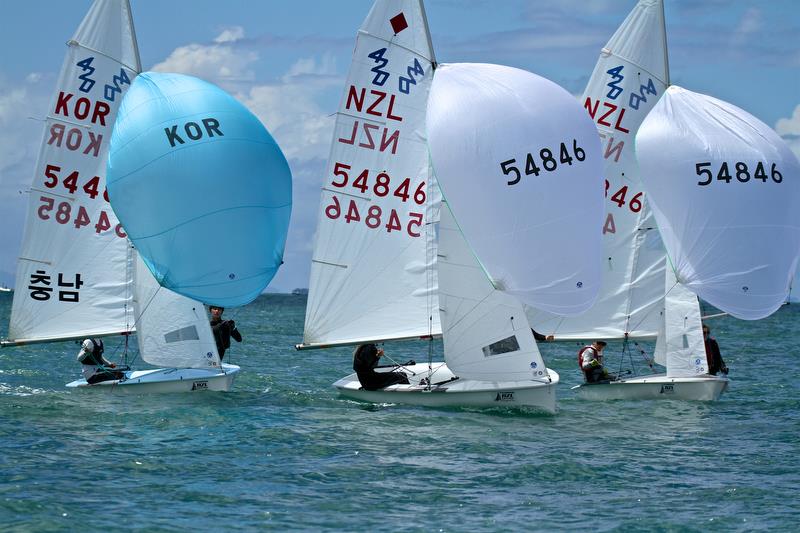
<point x="371" y="180"/>
<point x="41" y="288"/>
<point x="70" y="180"/>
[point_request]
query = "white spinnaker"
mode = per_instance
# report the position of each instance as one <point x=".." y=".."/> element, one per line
<point x="685" y="351"/>
<point x="536" y="232"/>
<point x="373" y="278"/>
<point x="725" y="191"/>
<point x="72" y="247"/>
<point x="485" y="332"/>
<point x="629" y="77"/>
<point x="171" y="330"/>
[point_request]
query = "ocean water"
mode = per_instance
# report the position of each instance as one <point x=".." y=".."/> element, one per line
<point x="283" y="451"/>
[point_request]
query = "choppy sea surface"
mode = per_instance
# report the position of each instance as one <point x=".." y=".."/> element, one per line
<point x="283" y="451"/>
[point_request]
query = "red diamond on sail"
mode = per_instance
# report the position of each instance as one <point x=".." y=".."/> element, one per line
<point x="398" y="23"/>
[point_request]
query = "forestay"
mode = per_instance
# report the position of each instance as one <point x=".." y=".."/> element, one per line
<point x="485" y="332"/>
<point x="172" y="330"/>
<point x="202" y="188"/>
<point x="518" y="162"/>
<point x="725" y="191"/>
<point x="629" y="77"/>
<point x="373" y="266"/>
<point x="73" y="275"/>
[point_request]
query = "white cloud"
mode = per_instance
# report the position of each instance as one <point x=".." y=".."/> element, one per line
<point x="291" y="110"/>
<point x="751" y="23"/>
<point x="230" y="35"/>
<point x="221" y="61"/>
<point x="789" y="129"/>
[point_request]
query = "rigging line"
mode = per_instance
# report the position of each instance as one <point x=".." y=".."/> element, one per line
<point x="73" y="42"/>
<point x="652" y="308"/>
<point x="399" y="365"/>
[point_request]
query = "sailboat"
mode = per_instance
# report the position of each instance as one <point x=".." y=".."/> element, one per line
<point x="76" y="267"/>
<point x="491" y="357"/>
<point x="4" y="288"/>
<point x="638" y="299"/>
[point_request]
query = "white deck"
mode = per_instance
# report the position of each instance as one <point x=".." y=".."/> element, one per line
<point x="540" y="395"/>
<point x="656" y="387"/>
<point x="167" y="380"/>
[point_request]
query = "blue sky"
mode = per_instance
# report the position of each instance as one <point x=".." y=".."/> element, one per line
<point x="287" y="61"/>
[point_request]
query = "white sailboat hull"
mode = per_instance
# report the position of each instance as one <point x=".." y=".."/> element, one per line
<point x="163" y="380"/>
<point x="656" y="387"/>
<point x="446" y="391"/>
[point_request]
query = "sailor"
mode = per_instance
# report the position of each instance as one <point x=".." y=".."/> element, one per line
<point x="96" y="368"/>
<point x="713" y="355"/>
<point x="223" y="330"/>
<point x="590" y="359"/>
<point x="365" y="359"/>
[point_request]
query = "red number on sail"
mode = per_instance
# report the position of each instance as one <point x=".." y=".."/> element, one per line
<point x="381" y="187"/>
<point x="82" y="219"/>
<point x="340" y="169"/>
<point x="619" y="196"/>
<point x="71" y="182"/>
<point x="394" y="222"/>
<point x="63" y="212"/>
<point x="91" y="187"/>
<point x="419" y="194"/>
<point x="360" y="182"/>
<point x="373" y="219"/>
<point x="50" y="173"/>
<point x="635" y="201"/>
<point x="402" y="191"/>
<point x="352" y="213"/>
<point x="334" y="210"/>
<point x="416" y="221"/>
<point x="102" y="223"/>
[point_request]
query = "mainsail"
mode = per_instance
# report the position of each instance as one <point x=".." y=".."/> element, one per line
<point x="373" y="266"/>
<point x="74" y="270"/>
<point x="628" y="79"/>
<point x="724" y="193"/>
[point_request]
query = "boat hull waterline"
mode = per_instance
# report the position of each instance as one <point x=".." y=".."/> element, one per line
<point x="446" y="391"/>
<point x="655" y="387"/>
<point x="167" y="380"/>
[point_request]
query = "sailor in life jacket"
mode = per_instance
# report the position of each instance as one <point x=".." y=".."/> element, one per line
<point x="590" y="359"/>
<point x="96" y="368"/>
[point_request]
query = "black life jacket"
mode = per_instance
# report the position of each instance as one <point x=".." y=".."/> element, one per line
<point x="95" y="357"/>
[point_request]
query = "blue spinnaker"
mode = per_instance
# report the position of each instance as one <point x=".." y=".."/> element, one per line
<point x="201" y="187"/>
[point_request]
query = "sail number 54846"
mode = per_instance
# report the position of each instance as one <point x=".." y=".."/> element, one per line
<point x="373" y="218"/>
<point x="546" y="158"/>
<point x="381" y="185"/>
<point x="739" y="170"/>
